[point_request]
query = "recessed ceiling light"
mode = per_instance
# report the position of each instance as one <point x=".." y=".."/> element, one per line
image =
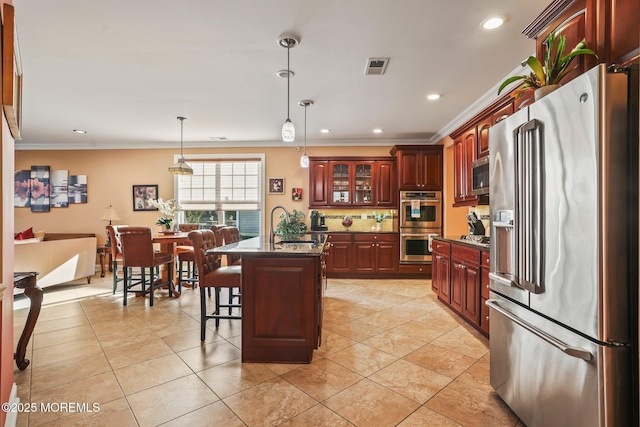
<point x="79" y="131"/>
<point x="377" y="131"/>
<point x="493" y="22"/>
<point x="325" y="130"/>
<point x="433" y="96"/>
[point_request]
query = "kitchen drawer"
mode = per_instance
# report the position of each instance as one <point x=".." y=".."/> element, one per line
<point x="415" y="268"/>
<point x="440" y="247"/>
<point x="339" y="237"/>
<point x="464" y="253"/>
<point x="485" y="259"/>
<point x="375" y="237"/>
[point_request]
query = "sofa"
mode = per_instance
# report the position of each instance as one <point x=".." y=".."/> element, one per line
<point x="58" y="257"/>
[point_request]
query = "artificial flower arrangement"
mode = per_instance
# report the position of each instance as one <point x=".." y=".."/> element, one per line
<point x="168" y="209"/>
<point x="379" y="217"/>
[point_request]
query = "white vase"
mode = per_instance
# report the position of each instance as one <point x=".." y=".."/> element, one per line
<point x="543" y="91"/>
<point x="378" y="226"/>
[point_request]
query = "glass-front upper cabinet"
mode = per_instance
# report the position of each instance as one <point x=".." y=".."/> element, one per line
<point x="340" y="182"/>
<point x="363" y="188"/>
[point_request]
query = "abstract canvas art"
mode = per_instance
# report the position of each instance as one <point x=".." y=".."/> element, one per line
<point x="40" y="189"/>
<point x="59" y="188"/>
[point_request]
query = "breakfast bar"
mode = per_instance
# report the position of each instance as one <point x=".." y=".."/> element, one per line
<point x="282" y="298"/>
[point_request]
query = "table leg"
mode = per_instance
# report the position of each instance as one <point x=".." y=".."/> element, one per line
<point x="34" y="293"/>
<point x="102" y="261"/>
<point x="170" y="248"/>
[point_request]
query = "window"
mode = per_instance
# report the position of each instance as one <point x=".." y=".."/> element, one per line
<point x="223" y="190"/>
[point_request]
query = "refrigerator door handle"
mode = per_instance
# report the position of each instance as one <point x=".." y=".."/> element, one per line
<point x="577" y="352"/>
<point x="503" y="280"/>
<point x="529" y="173"/>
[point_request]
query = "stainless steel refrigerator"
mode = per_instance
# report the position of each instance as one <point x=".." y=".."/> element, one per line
<point x="563" y="206"/>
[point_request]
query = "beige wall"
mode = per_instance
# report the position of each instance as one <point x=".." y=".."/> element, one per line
<point x="111" y="174"/>
<point x="455" y="219"/>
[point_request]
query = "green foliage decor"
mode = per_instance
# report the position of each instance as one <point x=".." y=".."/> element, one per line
<point x="294" y="229"/>
<point x="555" y="66"/>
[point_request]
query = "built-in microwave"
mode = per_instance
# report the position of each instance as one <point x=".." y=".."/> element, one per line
<point x="480" y="176"/>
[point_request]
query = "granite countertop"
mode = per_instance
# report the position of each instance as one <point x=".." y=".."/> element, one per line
<point x="260" y="246"/>
<point x="470" y="243"/>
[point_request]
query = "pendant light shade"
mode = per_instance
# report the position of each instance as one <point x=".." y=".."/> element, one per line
<point x="304" y="160"/>
<point x="288" y="130"/>
<point x="181" y="167"/>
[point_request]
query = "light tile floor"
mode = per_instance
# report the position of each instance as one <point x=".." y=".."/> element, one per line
<point x="391" y="355"/>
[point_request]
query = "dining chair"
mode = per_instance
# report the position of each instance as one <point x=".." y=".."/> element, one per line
<point x="137" y="251"/>
<point x="213" y="275"/>
<point x="116" y="252"/>
<point x="230" y="234"/>
<point x="184" y="254"/>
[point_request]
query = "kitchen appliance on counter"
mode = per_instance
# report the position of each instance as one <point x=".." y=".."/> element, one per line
<point x="476" y="227"/>
<point x="563" y="271"/>
<point x="420" y="221"/>
<point x="317" y="221"/>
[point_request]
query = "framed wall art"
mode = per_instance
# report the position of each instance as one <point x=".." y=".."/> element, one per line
<point x="143" y="195"/>
<point x="276" y="185"/>
<point x="296" y="194"/>
<point x="11" y="73"/>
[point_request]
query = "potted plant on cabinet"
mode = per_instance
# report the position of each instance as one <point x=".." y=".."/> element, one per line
<point x="545" y="78"/>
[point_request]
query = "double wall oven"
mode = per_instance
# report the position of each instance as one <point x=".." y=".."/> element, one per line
<point x="420" y="221"/>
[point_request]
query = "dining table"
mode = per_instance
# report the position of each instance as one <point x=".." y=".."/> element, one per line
<point x="168" y="242"/>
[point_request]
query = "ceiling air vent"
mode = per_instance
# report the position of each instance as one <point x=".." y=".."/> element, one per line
<point x="376" y="66"/>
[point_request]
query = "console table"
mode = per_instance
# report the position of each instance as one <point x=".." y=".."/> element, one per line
<point x="27" y="281"/>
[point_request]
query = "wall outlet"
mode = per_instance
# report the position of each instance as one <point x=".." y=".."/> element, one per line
<point x="363" y="216"/>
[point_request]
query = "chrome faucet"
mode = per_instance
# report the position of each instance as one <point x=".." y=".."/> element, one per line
<point x="286" y="215"/>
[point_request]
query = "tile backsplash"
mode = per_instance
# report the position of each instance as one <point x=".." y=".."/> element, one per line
<point x="362" y="219"/>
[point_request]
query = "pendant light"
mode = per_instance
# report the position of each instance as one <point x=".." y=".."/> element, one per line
<point x="304" y="160"/>
<point x="288" y="130"/>
<point x="181" y="167"/>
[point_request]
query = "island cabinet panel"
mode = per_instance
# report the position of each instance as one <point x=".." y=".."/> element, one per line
<point x="419" y="167"/>
<point x="281" y="308"/>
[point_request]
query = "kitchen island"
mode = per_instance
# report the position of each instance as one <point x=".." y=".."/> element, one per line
<point x="282" y="298"/>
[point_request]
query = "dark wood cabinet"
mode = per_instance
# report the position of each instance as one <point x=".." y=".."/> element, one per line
<point x="319" y="183"/>
<point x="460" y="279"/>
<point x="339" y="252"/>
<point x="376" y="253"/>
<point x="471" y="142"/>
<point x="464" y="154"/>
<point x="385" y="185"/>
<point x="484" y="292"/>
<point x="441" y="270"/>
<point x="609" y="27"/>
<point x="352" y="182"/>
<point x="419" y="167"/>
<point x="362" y="254"/>
<point x="282" y="308"/>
